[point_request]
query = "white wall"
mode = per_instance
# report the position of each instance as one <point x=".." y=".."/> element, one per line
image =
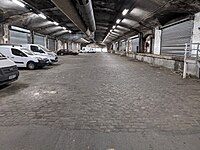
<point x="157" y="42"/>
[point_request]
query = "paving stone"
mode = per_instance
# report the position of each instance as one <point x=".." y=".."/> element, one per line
<point x="104" y="93"/>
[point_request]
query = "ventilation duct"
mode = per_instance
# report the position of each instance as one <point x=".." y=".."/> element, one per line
<point x="67" y="7"/>
<point x="86" y="11"/>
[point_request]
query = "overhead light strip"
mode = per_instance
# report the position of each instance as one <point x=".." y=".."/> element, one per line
<point x="125" y="11"/>
<point x="118" y="21"/>
<point x="42" y="16"/>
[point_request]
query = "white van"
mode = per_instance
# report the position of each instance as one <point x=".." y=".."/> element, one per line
<point x="41" y="50"/>
<point x="23" y="57"/>
<point x="84" y="50"/>
<point x="8" y="70"/>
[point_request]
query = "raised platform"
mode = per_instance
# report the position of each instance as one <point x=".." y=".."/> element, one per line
<point x="175" y="63"/>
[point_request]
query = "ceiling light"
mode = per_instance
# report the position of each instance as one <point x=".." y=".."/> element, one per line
<point x="114" y="27"/>
<point x="105" y="38"/>
<point x="111" y="30"/>
<point x="70" y="31"/>
<point x="118" y="21"/>
<point x="64" y="28"/>
<point x="42" y="16"/>
<point x="56" y="23"/>
<point x="19" y="3"/>
<point x="125" y="12"/>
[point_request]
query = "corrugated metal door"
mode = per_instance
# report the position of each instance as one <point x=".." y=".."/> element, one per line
<point x="19" y="37"/>
<point x="135" y="45"/>
<point x="51" y="44"/>
<point x="39" y="40"/>
<point x="69" y="46"/>
<point x="174" y="37"/>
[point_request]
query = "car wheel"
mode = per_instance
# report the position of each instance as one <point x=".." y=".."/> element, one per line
<point x="31" y="65"/>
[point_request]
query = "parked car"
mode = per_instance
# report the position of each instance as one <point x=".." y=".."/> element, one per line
<point x="8" y="70"/>
<point x="41" y="50"/>
<point x="66" y="52"/>
<point x="84" y="50"/>
<point x="23" y="57"/>
<point x="87" y="50"/>
<point x="92" y="50"/>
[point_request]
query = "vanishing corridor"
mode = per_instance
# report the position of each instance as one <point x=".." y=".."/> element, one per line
<point x="100" y="102"/>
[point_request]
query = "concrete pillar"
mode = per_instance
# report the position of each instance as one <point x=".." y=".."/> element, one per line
<point x="141" y="43"/>
<point x="65" y="45"/>
<point x="1" y="34"/>
<point x="196" y="29"/>
<point x="46" y="41"/>
<point x="32" y="37"/>
<point x="59" y="45"/>
<point x="157" y="42"/>
<point x="56" y="45"/>
<point x="4" y="34"/>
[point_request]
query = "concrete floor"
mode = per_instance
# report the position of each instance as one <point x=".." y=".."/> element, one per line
<point x="100" y="102"/>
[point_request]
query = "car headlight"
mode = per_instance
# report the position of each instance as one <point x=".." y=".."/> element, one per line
<point x="39" y="58"/>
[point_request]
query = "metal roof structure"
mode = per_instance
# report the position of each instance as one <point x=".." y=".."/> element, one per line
<point x="104" y="21"/>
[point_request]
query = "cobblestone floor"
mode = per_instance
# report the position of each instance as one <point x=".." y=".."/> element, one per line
<point x="104" y="93"/>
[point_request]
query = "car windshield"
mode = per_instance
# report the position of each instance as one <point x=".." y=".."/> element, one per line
<point x="44" y="48"/>
<point x="27" y="51"/>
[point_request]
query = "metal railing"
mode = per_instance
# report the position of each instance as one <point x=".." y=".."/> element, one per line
<point x="192" y="55"/>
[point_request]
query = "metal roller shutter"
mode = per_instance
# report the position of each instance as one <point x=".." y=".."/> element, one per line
<point x="70" y="46"/>
<point x="51" y="44"/>
<point x="135" y="45"/>
<point x="19" y="37"/>
<point x="122" y="46"/>
<point x="39" y="40"/>
<point x="174" y="38"/>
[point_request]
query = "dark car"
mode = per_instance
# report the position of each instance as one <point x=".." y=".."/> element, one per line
<point x="66" y="52"/>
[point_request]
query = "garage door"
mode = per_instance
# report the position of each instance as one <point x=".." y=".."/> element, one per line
<point x="39" y="40"/>
<point x="51" y="45"/>
<point x="174" y="37"/>
<point x="17" y="37"/>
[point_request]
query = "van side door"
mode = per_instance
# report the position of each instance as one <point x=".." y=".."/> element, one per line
<point x="19" y="57"/>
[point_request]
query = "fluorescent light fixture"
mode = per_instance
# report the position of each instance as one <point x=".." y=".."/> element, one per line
<point x="85" y="40"/>
<point x="133" y="37"/>
<point x="42" y="16"/>
<point x="56" y="23"/>
<point x="125" y="12"/>
<point x="70" y="31"/>
<point x="118" y="21"/>
<point x="105" y="38"/>
<point x="20" y="29"/>
<point x="18" y="3"/>
<point x="114" y="27"/>
<point x="111" y="30"/>
<point x="64" y="28"/>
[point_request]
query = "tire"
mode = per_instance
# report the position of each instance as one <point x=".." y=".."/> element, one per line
<point x="31" y="65"/>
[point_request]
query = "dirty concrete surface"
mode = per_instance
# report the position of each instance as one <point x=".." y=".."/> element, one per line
<point x="100" y="102"/>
